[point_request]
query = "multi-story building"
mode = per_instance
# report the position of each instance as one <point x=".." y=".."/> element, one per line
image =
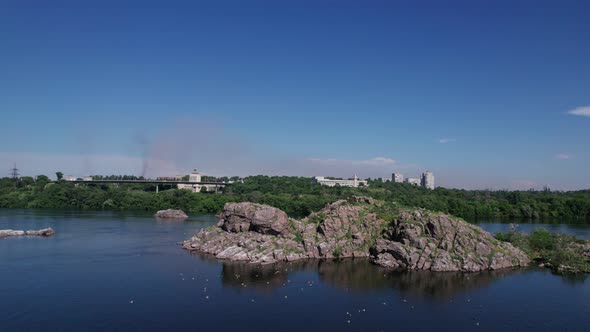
<point x="414" y="181"/>
<point x="397" y="177"/>
<point x="354" y="182"/>
<point x="428" y="180"/>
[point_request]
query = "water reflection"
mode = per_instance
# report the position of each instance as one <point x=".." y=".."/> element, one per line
<point x="359" y="275"/>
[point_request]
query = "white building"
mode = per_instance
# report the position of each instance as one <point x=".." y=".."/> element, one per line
<point x="354" y="182"/>
<point x="428" y="180"/>
<point x="195" y="176"/>
<point x="397" y="177"/>
<point x="414" y="181"/>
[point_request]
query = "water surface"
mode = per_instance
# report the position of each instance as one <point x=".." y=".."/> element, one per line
<point x="126" y="272"/>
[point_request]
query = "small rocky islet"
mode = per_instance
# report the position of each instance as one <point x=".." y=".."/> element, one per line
<point x="390" y="236"/>
<point x="11" y="232"/>
<point x="171" y="214"/>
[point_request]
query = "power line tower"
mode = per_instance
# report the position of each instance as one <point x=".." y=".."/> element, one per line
<point x="14" y="172"/>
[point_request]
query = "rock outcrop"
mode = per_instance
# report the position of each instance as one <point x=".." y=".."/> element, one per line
<point x="264" y="219"/>
<point x="42" y="232"/>
<point x="421" y="241"/>
<point x="171" y="214"/>
<point x="359" y="227"/>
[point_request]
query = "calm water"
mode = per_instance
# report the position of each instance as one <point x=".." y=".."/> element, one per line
<point x="115" y="272"/>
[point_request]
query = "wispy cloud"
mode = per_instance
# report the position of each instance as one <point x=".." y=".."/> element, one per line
<point x="373" y="167"/>
<point x="446" y="140"/>
<point x="580" y="111"/>
<point x="377" y="161"/>
<point x="562" y="156"/>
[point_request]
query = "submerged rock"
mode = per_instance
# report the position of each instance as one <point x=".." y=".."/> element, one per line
<point x="359" y="227"/>
<point x="42" y="232"/>
<point x="171" y="214"/>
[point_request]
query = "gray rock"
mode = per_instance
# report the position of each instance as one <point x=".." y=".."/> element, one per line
<point x="171" y="214"/>
<point x="42" y="232"/>
<point x="244" y="217"/>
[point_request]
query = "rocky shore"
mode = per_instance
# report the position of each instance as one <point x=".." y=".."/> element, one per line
<point x="42" y="232"/>
<point x="390" y="236"/>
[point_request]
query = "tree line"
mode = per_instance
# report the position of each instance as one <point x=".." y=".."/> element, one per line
<point x="297" y="196"/>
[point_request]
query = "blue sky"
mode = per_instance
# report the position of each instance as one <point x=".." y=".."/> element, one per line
<point x="480" y="92"/>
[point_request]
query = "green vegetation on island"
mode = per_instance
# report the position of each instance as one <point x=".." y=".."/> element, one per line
<point x="561" y="252"/>
<point x="297" y="196"/>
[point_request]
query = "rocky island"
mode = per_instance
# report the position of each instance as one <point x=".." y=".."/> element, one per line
<point x="171" y="214"/>
<point x="11" y="232"/>
<point x="389" y="235"/>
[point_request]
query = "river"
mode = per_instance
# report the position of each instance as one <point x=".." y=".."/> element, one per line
<point x="106" y="271"/>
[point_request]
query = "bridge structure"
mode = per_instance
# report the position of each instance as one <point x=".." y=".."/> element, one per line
<point x="217" y="185"/>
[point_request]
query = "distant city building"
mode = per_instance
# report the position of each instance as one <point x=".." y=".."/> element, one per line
<point x="70" y="178"/>
<point x="414" y="181"/>
<point x="428" y="180"/>
<point x="354" y="182"/>
<point x="87" y="178"/>
<point x="195" y="176"/>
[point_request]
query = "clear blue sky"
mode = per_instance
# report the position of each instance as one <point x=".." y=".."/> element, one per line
<point x="477" y="91"/>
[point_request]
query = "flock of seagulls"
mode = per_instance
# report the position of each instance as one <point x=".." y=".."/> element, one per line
<point x="309" y="283"/>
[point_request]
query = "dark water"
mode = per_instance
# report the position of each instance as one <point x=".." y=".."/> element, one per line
<point x="114" y="272"/>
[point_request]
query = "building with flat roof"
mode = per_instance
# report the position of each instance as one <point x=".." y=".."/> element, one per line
<point x="354" y="182"/>
<point x="397" y="177"/>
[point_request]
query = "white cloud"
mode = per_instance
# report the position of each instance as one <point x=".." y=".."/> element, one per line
<point x="580" y="111"/>
<point x="563" y="156"/>
<point x="373" y="167"/>
<point x="379" y="161"/>
<point x="446" y="140"/>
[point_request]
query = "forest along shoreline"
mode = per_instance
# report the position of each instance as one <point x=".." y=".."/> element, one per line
<point x="297" y="196"/>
